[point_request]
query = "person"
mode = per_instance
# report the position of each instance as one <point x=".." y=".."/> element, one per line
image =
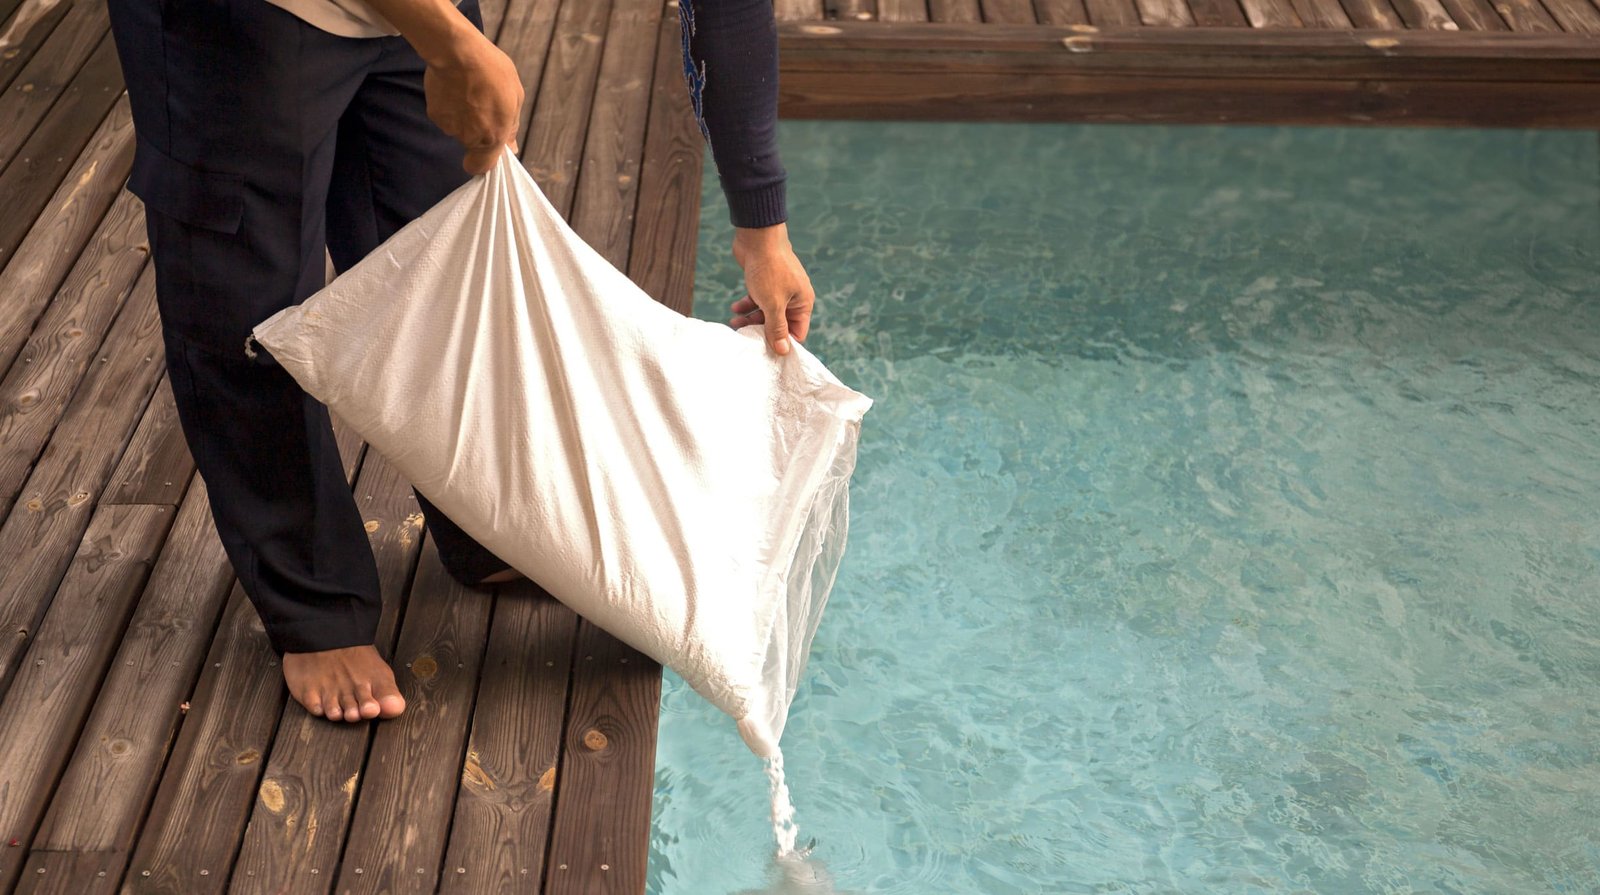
<point x="269" y="131"/>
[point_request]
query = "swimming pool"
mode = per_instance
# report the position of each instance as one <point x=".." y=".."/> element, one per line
<point x="1227" y="521"/>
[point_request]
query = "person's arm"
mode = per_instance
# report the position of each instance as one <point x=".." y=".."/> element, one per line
<point x="473" y="90"/>
<point x="731" y="65"/>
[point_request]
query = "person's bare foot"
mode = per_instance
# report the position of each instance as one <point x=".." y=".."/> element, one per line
<point x="350" y="684"/>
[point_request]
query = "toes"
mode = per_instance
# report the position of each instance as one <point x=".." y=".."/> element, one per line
<point x="390" y="702"/>
<point x="352" y="706"/>
<point x="369" y="705"/>
<point x="331" y="708"/>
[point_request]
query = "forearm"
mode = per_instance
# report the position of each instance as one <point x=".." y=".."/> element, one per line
<point x="733" y="72"/>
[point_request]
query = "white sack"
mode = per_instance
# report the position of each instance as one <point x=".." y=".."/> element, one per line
<point x="669" y="479"/>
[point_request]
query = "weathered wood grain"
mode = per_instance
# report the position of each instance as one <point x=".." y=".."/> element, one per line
<point x="1070" y="12"/>
<point x="102" y="797"/>
<point x="525" y="35"/>
<point x="850" y="10"/>
<point x="1526" y="16"/>
<point x="1011" y="12"/>
<point x="301" y="812"/>
<point x="187" y="842"/>
<point x="902" y="10"/>
<point x="1218" y="14"/>
<point x="955" y="11"/>
<point x="41" y="82"/>
<point x="1165" y="13"/>
<point x="1575" y="16"/>
<point x="156" y="467"/>
<point x="31" y="274"/>
<point x="601" y="833"/>
<point x="1425" y="15"/>
<point x="56" y="685"/>
<point x="608" y="184"/>
<point x="502" y="821"/>
<point x="1377" y="15"/>
<point x="1271" y="14"/>
<point x="798" y="10"/>
<point x="976" y="96"/>
<point x="27" y="25"/>
<point x="35" y="393"/>
<point x="1475" y="15"/>
<point x="38" y="168"/>
<point x="1112" y="13"/>
<point x="407" y="794"/>
<point x="1322" y="13"/>
<point x="553" y="148"/>
<point x="43" y="530"/>
<point x="666" y="229"/>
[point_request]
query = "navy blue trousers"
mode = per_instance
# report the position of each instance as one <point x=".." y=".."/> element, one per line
<point x="262" y="141"/>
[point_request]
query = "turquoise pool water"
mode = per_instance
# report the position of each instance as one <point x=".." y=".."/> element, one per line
<point x="1228" y="521"/>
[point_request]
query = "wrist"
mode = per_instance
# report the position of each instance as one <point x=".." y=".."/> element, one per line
<point x="762" y="239"/>
<point x="451" y="45"/>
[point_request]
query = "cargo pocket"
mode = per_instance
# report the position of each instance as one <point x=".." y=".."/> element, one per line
<point x="205" y="199"/>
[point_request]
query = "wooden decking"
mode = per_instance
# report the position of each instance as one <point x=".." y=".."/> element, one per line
<point x="1516" y="63"/>
<point x="145" y="741"/>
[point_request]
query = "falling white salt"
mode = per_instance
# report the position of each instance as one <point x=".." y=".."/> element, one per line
<point x="783" y="828"/>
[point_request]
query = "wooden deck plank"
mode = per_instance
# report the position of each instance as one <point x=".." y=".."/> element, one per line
<point x="608" y="183"/>
<point x="554" y="144"/>
<point x="68" y="222"/>
<point x="33" y="175"/>
<point x="191" y="835"/>
<point x="56" y="685"/>
<point x="902" y="10"/>
<point x="26" y="27"/>
<point x="1218" y="14"/>
<point x="936" y="53"/>
<point x="1527" y="16"/>
<point x="156" y="467"/>
<point x="850" y="10"/>
<point x="1475" y="15"/>
<point x="45" y="526"/>
<point x="407" y="794"/>
<point x="601" y="835"/>
<point x="502" y="820"/>
<point x="1165" y="13"/>
<point x="302" y="811"/>
<point x="798" y="10"/>
<point x="47" y="75"/>
<point x="1322" y="13"/>
<point x="1073" y="12"/>
<point x="525" y="35"/>
<point x="1575" y="16"/>
<point x="955" y="11"/>
<point x="1425" y="15"/>
<point x="1271" y="14"/>
<point x="187" y="843"/>
<point x="666" y="228"/>
<point x="1012" y="12"/>
<point x="67" y="339"/>
<point x="1112" y="13"/>
<point x="124" y="744"/>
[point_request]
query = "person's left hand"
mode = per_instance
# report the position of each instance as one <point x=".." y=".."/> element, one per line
<point x="780" y="297"/>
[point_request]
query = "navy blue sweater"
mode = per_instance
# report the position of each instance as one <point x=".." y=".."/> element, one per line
<point x="730" y="61"/>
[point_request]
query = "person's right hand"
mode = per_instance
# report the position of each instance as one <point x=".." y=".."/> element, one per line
<point x="475" y="95"/>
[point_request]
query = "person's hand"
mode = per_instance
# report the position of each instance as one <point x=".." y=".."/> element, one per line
<point x="475" y="95"/>
<point x="779" y="296"/>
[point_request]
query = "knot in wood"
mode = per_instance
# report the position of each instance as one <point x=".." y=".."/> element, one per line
<point x="424" y="667"/>
<point x="594" y="740"/>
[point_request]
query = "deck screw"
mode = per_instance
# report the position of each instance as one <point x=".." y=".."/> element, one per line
<point x="41" y="871"/>
<point x="101" y="873"/>
<point x="205" y="873"/>
<point x="605" y="866"/>
<point x="563" y="867"/>
<point x="315" y="871"/>
<point x="145" y="873"/>
<point x="359" y="871"/>
<point x="40" y="662"/>
<point x="419" y="871"/>
<point x="461" y="870"/>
